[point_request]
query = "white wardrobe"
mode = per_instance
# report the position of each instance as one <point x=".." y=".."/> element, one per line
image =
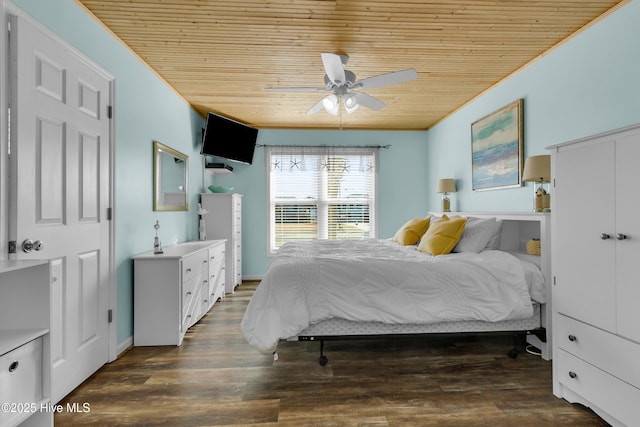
<point x="596" y="280"/>
<point x="224" y="221"/>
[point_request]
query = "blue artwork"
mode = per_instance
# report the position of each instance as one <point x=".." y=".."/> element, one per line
<point x="496" y="147"/>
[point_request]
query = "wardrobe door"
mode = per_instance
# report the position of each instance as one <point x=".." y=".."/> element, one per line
<point x="584" y="253"/>
<point x="628" y="235"/>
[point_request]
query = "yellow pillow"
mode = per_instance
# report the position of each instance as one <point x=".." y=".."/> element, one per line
<point x="442" y="235"/>
<point x="412" y="231"/>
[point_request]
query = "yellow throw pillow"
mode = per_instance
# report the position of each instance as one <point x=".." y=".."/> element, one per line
<point x="442" y="235"/>
<point x="412" y="231"/>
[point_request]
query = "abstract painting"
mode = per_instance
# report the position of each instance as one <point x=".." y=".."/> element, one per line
<point x="497" y="148"/>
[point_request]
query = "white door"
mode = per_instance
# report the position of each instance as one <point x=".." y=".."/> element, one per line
<point x="627" y="235"/>
<point x="584" y="252"/>
<point x="60" y="149"/>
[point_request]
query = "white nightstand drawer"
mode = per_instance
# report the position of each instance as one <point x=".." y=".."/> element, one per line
<point x="21" y="378"/>
<point x="609" y="352"/>
<point x="604" y="391"/>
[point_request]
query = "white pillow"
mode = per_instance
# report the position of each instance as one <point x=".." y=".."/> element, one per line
<point x="477" y="234"/>
<point x="494" y="241"/>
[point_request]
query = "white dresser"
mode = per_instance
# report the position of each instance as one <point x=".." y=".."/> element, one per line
<point x="173" y="290"/>
<point x="596" y="247"/>
<point x="25" y="356"/>
<point x="224" y="221"/>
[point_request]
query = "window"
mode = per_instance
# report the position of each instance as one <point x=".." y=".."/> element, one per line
<point x="321" y="193"/>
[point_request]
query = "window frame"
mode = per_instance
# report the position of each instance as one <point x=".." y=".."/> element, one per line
<point x="318" y="151"/>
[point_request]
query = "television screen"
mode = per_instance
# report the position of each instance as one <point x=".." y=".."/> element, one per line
<point x="228" y="139"/>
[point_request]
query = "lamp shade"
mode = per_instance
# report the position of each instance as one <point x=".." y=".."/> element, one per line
<point x="331" y="104"/>
<point x="446" y="185"/>
<point x="350" y="102"/>
<point x="537" y="168"/>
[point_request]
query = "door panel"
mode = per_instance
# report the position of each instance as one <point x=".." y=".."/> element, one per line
<point x="584" y="198"/>
<point x="49" y="168"/>
<point x="60" y="165"/>
<point x="628" y="249"/>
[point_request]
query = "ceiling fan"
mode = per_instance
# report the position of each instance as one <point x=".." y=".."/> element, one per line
<point x="342" y="84"/>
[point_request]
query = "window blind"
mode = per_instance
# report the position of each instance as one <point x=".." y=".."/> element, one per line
<point x="321" y="193"/>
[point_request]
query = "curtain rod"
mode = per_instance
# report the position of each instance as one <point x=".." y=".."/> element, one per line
<point x="324" y="146"/>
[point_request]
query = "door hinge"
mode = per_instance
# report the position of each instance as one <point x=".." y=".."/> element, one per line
<point x="109" y="111"/>
<point x="110" y="316"/>
<point x="109" y="214"/>
<point x="12" y="246"/>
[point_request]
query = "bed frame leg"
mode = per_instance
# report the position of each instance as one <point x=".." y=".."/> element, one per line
<point x="323" y="359"/>
<point x="513" y="353"/>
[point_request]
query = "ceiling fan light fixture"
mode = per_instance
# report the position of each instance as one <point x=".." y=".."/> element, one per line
<point x="350" y="102"/>
<point x="330" y="103"/>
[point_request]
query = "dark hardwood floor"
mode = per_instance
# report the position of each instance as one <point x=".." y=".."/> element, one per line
<point x="215" y="378"/>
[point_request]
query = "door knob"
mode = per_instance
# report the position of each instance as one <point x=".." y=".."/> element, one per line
<point x="621" y="236"/>
<point x="604" y="236"/>
<point x="29" y="245"/>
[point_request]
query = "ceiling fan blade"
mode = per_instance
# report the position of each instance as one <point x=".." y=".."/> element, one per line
<point x="387" y="79"/>
<point x="334" y="68"/>
<point x="296" y="89"/>
<point x="369" y="101"/>
<point x="316" y="107"/>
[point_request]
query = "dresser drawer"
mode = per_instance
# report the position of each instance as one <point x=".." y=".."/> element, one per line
<point x="611" y="353"/>
<point x="216" y="257"/>
<point x="21" y="378"/>
<point x="188" y="293"/>
<point x="191" y="312"/>
<point x="604" y="391"/>
<point x="193" y="265"/>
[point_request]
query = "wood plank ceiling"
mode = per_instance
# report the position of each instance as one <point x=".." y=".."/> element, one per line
<point x="221" y="55"/>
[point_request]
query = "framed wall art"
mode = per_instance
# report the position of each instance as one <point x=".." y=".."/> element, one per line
<point x="497" y="147"/>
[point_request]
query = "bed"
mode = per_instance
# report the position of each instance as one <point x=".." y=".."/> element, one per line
<point x="326" y="289"/>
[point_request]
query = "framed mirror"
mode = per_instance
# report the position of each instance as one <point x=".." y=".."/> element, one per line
<point x="170" y="179"/>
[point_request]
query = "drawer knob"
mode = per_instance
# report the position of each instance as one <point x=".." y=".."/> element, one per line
<point x="13" y="366"/>
<point x="572" y="338"/>
<point x="604" y="236"/>
<point x="188" y="270"/>
<point x="188" y="293"/>
<point x="573" y="374"/>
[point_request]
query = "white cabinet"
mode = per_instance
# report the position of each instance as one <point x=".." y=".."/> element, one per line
<point x="596" y="247"/>
<point x="173" y="290"/>
<point x="25" y="356"/>
<point x="224" y="221"/>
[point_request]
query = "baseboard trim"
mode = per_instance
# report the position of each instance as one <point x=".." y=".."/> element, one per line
<point x="124" y="346"/>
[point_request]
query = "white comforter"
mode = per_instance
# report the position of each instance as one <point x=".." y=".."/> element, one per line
<point x="379" y="280"/>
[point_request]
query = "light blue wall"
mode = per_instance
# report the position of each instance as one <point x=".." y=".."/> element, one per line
<point x="401" y="177"/>
<point x="588" y="85"/>
<point x="146" y="110"/>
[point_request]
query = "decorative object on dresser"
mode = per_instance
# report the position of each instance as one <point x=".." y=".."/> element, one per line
<point x="497" y="144"/>
<point x="224" y="221"/>
<point x="537" y="169"/>
<point x="173" y="290"/>
<point x="595" y="291"/>
<point x="25" y="353"/>
<point x="446" y="186"/>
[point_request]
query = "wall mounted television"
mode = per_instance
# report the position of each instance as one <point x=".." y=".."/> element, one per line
<point x="228" y="139"/>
